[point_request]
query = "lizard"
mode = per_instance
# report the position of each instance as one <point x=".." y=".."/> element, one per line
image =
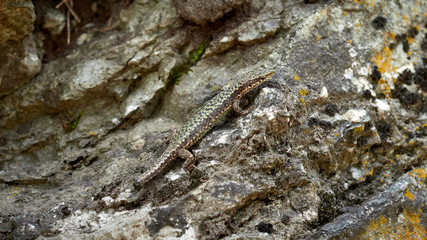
<point x="204" y="119"/>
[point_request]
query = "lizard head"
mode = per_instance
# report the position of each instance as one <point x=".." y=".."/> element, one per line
<point x="250" y="80"/>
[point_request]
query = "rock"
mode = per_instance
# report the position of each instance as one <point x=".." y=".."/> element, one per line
<point x="17" y="46"/>
<point x="394" y="213"/>
<point x="17" y="20"/>
<point x="54" y="21"/>
<point x="264" y="23"/>
<point x="22" y="57"/>
<point x="143" y="100"/>
<point x="205" y="12"/>
<point x="334" y="148"/>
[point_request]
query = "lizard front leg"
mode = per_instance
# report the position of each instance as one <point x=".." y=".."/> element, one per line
<point x="238" y="109"/>
<point x="171" y="135"/>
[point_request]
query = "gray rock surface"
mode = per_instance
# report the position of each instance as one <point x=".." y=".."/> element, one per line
<point x="17" y="20"/>
<point x="54" y="21"/>
<point x="335" y="148"/>
<point x="202" y="12"/>
<point x="17" y="45"/>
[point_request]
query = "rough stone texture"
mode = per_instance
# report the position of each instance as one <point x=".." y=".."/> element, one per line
<point x="16" y="19"/>
<point x="54" y="21"/>
<point x="335" y="148"/>
<point x="17" y="46"/>
<point x="398" y="212"/>
<point x="202" y="12"/>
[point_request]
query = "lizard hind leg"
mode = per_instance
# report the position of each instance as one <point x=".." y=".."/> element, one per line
<point x="188" y="165"/>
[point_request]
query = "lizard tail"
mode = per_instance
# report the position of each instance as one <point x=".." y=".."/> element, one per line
<point x="166" y="157"/>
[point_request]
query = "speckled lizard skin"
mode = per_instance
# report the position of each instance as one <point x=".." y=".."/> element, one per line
<point x="205" y="119"/>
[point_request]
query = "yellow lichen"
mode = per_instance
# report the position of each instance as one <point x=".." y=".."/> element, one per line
<point x="420" y="173"/>
<point x="408" y="226"/>
<point x="383" y="60"/>
<point x="358" y="129"/>
<point x="405" y="18"/>
<point x="303" y="92"/>
<point x="409" y="195"/>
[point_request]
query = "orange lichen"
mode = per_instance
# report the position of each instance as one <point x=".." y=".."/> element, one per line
<point x="383" y="60"/>
<point x="296" y="77"/>
<point x="420" y="173"/>
<point x="409" y="195"/>
<point x="405" y="18"/>
<point x="407" y="226"/>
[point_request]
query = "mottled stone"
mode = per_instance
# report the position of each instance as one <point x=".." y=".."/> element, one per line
<point x="54" y="21"/>
<point x="142" y="101"/>
<point x="396" y="212"/>
<point x="20" y="61"/>
<point x="16" y="19"/>
<point x="317" y="158"/>
<point x="202" y="12"/>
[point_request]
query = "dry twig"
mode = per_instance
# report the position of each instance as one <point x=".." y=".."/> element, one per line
<point x="69" y="4"/>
